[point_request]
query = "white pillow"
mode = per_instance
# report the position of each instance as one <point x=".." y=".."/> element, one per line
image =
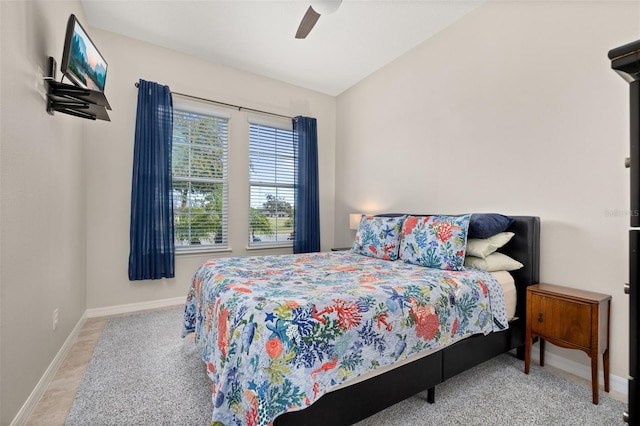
<point x="484" y="247"/>
<point x="493" y="262"/>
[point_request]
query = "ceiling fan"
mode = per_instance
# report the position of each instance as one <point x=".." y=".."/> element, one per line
<point x="317" y="8"/>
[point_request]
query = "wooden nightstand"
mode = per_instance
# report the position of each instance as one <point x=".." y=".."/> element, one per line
<point x="570" y="318"/>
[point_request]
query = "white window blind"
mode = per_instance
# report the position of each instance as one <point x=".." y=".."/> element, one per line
<point x="200" y="186"/>
<point x="272" y="183"/>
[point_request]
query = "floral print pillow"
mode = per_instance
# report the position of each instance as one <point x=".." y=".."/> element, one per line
<point x="435" y="241"/>
<point x="379" y="237"/>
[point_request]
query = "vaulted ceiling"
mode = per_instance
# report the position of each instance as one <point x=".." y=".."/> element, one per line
<point x="259" y="36"/>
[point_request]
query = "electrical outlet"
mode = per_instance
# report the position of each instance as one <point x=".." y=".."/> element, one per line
<point x="55" y="318"/>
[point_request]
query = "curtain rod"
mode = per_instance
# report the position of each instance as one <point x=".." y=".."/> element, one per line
<point x="238" y="107"/>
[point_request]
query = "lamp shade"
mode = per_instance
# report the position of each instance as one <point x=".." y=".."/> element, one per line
<point x="354" y="220"/>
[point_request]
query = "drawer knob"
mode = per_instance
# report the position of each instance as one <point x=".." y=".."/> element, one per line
<point x="627" y="288"/>
<point x="540" y="317"/>
<point x="625" y="417"/>
<point x="627" y="162"/>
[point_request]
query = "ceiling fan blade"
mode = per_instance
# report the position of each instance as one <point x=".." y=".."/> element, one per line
<point x="308" y="21"/>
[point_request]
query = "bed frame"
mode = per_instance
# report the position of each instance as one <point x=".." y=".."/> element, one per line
<point x="353" y="403"/>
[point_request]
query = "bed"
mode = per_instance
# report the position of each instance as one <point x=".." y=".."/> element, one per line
<point x="333" y="337"/>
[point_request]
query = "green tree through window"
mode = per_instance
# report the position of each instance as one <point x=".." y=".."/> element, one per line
<point x="199" y="167"/>
<point x="271" y="184"/>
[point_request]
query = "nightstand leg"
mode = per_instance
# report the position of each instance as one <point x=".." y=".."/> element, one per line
<point x="605" y="367"/>
<point x="541" y="352"/>
<point x="594" y="377"/>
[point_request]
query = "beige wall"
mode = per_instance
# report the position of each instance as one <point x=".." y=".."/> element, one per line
<point x="109" y="157"/>
<point x="42" y="203"/>
<point x="514" y="109"/>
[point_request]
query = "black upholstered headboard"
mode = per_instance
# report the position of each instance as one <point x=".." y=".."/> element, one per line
<point x="525" y="248"/>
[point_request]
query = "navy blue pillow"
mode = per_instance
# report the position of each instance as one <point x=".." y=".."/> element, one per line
<point x="485" y="225"/>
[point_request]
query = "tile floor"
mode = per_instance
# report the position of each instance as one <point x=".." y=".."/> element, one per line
<point x="53" y="407"/>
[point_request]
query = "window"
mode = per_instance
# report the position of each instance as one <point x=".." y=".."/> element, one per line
<point x="271" y="182"/>
<point x="199" y="166"/>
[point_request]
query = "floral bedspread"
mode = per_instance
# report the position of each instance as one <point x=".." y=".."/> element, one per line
<point x="277" y="332"/>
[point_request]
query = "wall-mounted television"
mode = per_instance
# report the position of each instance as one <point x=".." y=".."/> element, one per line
<point x="82" y="63"/>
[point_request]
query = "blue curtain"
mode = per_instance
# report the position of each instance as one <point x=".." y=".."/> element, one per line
<point x="307" y="199"/>
<point x="152" y="248"/>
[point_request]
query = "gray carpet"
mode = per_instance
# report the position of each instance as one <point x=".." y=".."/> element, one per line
<point x="143" y="373"/>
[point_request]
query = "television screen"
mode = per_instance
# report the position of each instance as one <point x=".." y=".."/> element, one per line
<point x="81" y="61"/>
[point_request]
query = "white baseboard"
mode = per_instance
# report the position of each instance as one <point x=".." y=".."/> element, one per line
<point x="134" y="307"/>
<point x="616" y="383"/>
<point x="31" y="402"/>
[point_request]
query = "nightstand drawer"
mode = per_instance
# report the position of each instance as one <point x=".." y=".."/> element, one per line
<point x="561" y="320"/>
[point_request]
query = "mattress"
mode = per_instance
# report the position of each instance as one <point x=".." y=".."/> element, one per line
<point x="508" y="285"/>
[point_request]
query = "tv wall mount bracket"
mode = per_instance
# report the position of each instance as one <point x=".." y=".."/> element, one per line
<point x="74" y="100"/>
